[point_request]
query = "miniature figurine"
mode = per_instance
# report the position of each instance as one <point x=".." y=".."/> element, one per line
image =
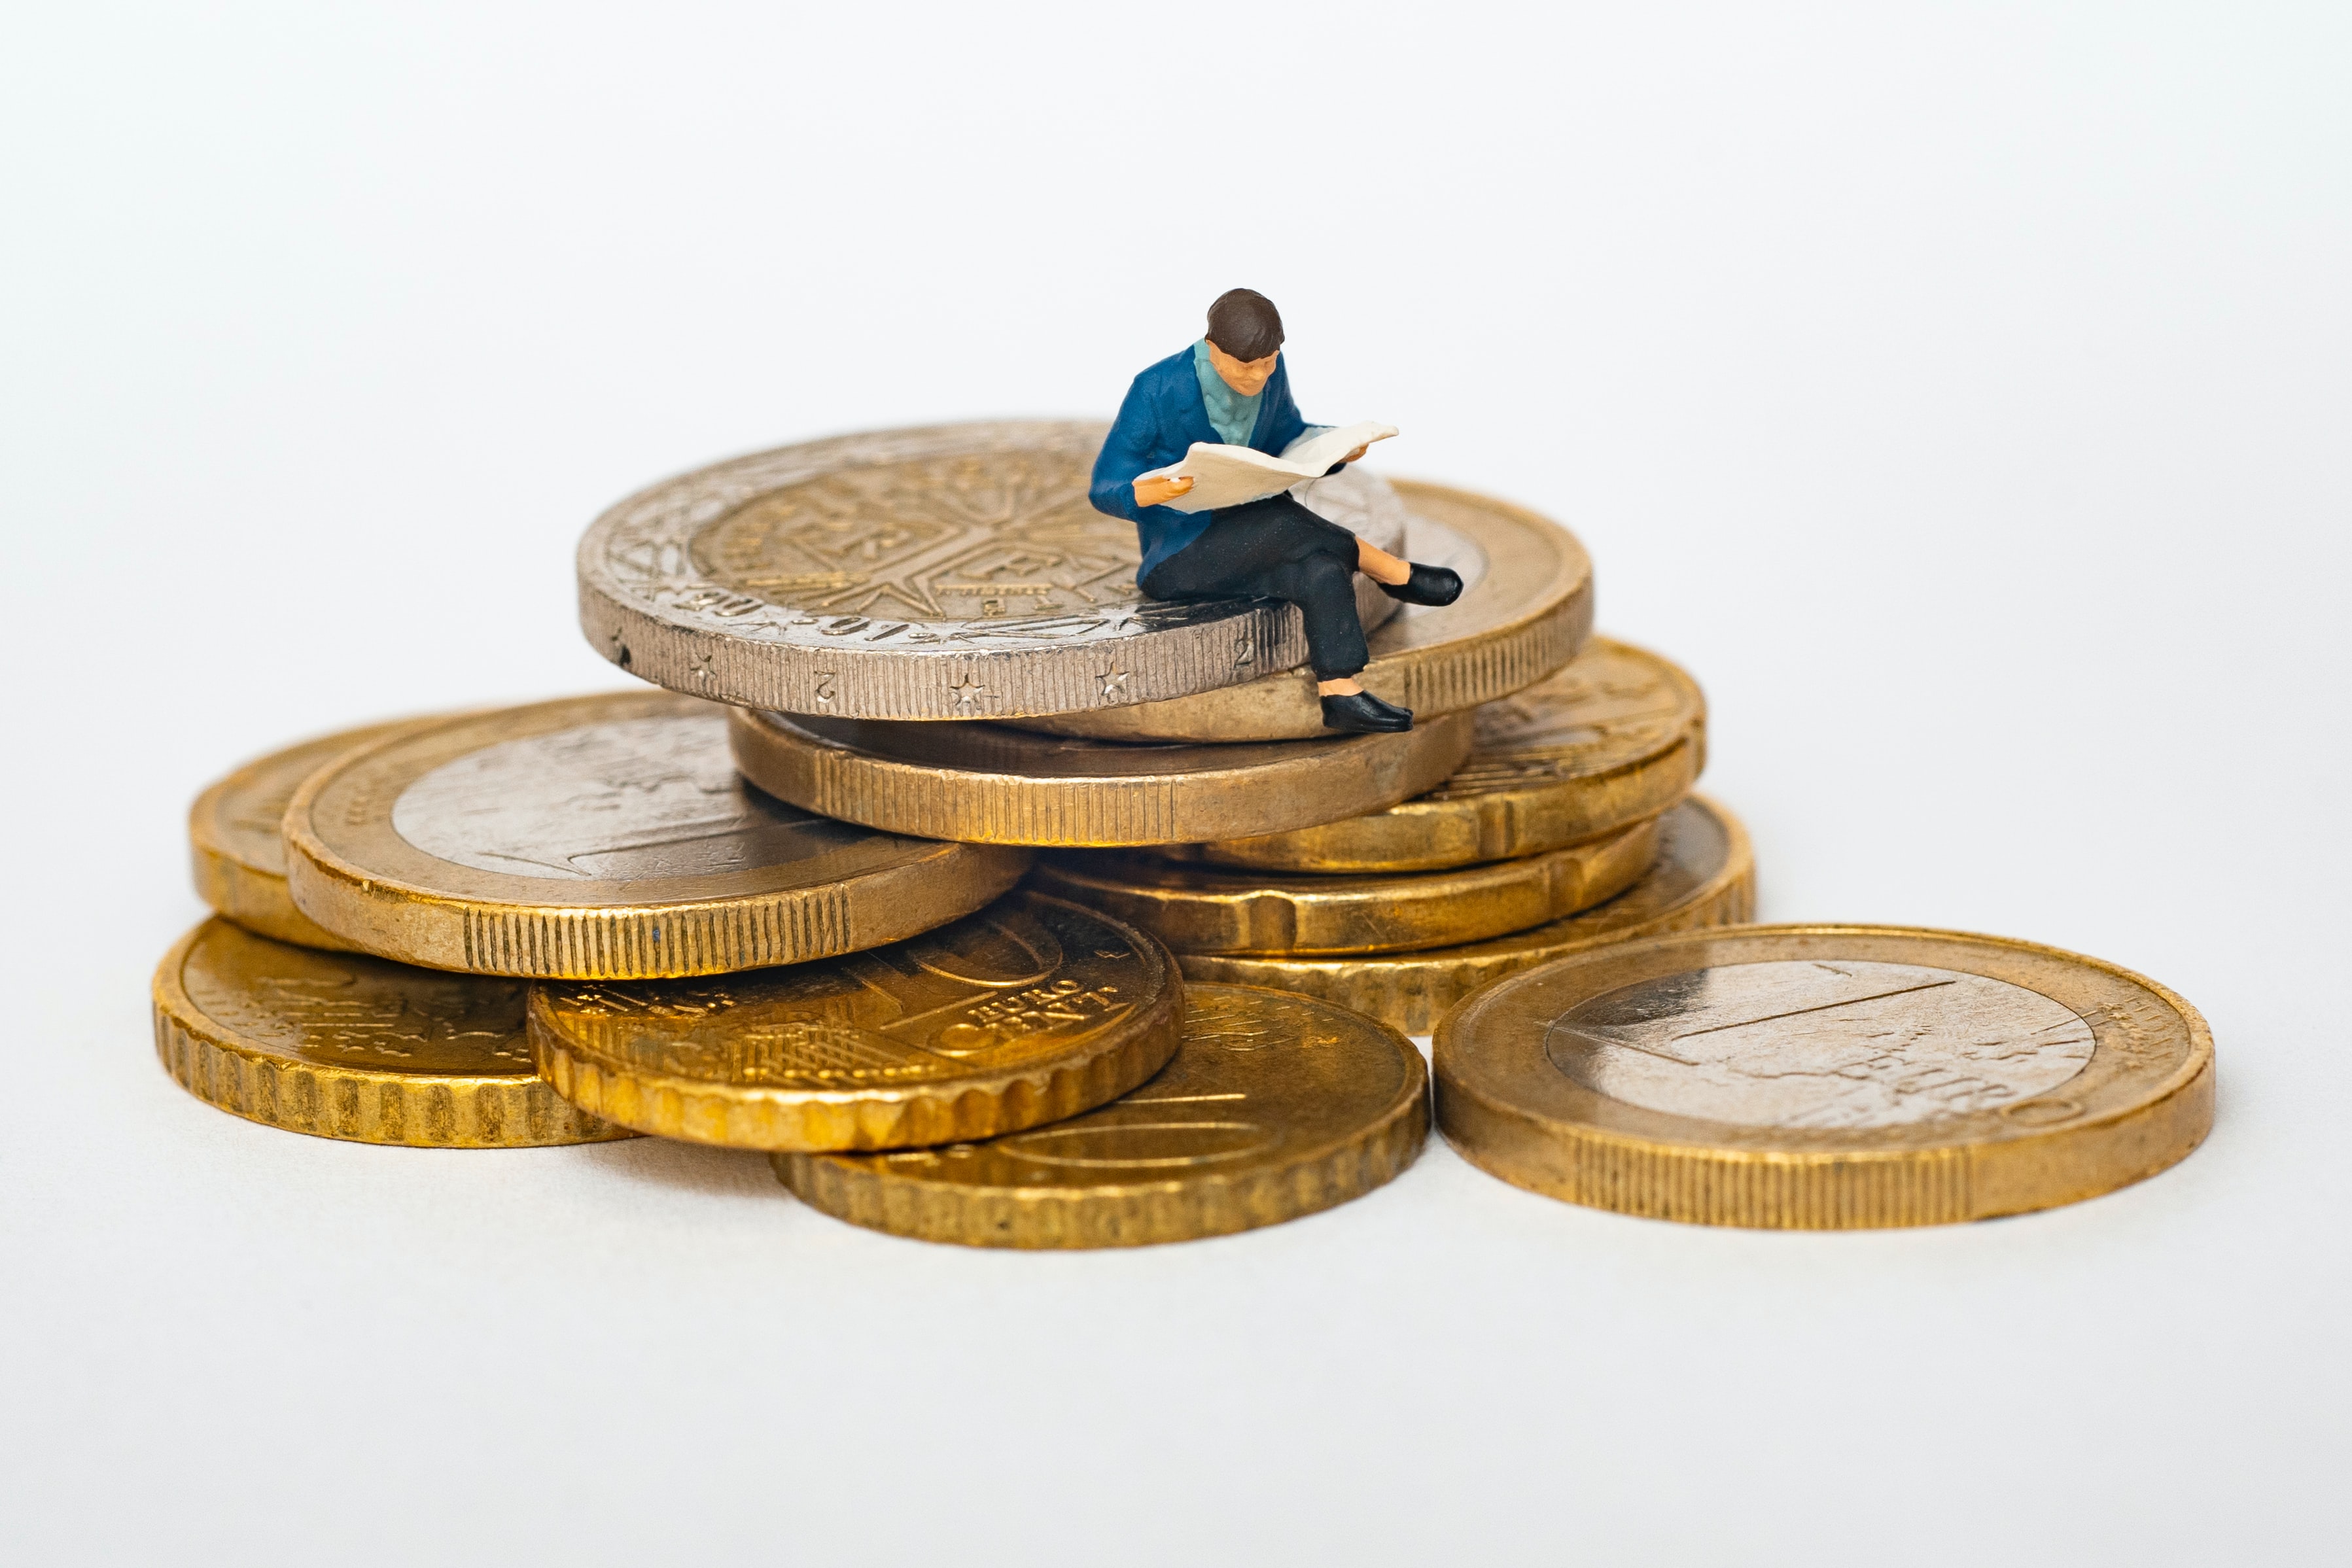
<point x="1232" y="387"/>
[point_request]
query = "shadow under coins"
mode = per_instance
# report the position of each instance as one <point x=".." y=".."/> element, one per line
<point x="689" y="1167"/>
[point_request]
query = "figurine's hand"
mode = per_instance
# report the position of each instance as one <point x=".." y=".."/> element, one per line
<point x="1358" y="454"/>
<point x="1152" y="492"/>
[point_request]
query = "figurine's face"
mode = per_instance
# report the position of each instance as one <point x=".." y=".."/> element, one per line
<point x="1246" y="377"/>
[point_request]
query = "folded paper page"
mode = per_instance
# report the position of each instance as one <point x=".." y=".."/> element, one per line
<point x="1233" y="475"/>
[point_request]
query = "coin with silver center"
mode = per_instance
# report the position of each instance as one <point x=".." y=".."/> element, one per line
<point x="958" y="571"/>
<point x="603" y="837"/>
<point x="1824" y="1077"/>
<point x="1525" y="609"/>
<point x="236" y="849"/>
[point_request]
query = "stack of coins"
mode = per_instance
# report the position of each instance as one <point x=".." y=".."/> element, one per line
<point x="1571" y="825"/>
<point x="992" y="902"/>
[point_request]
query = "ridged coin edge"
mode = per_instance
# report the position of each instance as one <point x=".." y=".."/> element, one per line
<point x="1835" y="1189"/>
<point x="1410" y="991"/>
<point x="351" y="1105"/>
<point x="1136" y="1214"/>
<point x="851" y="1121"/>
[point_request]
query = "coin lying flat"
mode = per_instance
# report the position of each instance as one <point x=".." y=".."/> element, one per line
<point x="958" y="571"/>
<point x="1704" y="875"/>
<point x="344" y="1046"/>
<point x="1209" y="909"/>
<point x="985" y="783"/>
<point x="1824" y="1077"/>
<point x="1274" y="1107"/>
<point x="602" y="837"/>
<point x="1030" y="1012"/>
<point x="237" y="854"/>
<point x="1524" y="610"/>
<point x="1617" y="736"/>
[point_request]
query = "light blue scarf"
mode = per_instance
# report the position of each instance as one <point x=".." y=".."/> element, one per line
<point x="1230" y="415"/>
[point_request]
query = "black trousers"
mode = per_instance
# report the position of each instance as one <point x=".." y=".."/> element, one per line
<point x="1277" y="549"/>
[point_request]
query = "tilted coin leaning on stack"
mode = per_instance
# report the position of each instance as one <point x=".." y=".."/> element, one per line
<point x="781" y="906"/>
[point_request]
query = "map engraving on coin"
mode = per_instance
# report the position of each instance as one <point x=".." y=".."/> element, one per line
<point x="1823" y="1077"/>
<point x="957" y="571"/>
<point x="1820" y="1044"/>
<point x="605" y="837"/>
<point x="621" y="801"/>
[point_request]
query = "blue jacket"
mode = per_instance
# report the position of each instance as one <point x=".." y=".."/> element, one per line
<point x="1163" y="416"/>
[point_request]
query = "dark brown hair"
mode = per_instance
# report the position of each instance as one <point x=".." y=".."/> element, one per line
<point x="1244" y="324"/>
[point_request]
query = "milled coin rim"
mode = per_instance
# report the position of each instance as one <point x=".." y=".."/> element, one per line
<point x="1276" y="787"/>
<point x="244" y="890"/>
<point x="1432" y="660"/>
<point x="1329" y="1172"/>
<point x="1661" y="1164"/>
<point x="260" y="1082"/>
<point x="1500" y="823"/>
<point x="1412" y="990"/>
<point x="913" y="1115"/>
<point x="1306" y="916"/>
<point x="361" y="880"/>
<point x="702" y="650"/>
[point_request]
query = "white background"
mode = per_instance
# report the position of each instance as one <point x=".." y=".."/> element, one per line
<point x="1964" y="395"/>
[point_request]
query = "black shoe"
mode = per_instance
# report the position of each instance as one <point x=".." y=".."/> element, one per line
<point x="1427" y="585"/>
<point x="1360" y="713"/>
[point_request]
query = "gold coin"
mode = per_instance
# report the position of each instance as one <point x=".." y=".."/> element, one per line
<point x="602" y="837"/>
<point x="1616" y="736"/>
<point x="1208" y="909"/>
<point x="238" y="856"/>
<point x="1029" y="1012"/>
<point x="985" y="783"/>
<point x="1274" y="1107"/>
<point x="1824" y="1077"/>
<point x="1704" y="875"/>
<point x="1524" y="610"/>
<point x="344" y="1046"/>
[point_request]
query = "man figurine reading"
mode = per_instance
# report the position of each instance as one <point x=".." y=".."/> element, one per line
<point x="1232" y="387"/>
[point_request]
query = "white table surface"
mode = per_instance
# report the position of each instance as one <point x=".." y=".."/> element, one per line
<point x="1962" y="397"/>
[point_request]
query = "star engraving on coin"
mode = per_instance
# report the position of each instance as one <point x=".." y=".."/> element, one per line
<point x="1114" y="682"/>
<point x="968" y="692"/>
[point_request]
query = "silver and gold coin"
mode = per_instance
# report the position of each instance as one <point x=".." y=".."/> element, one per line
<point x="1273" y="1107"/>
<point x="1617" y="736"/>
<point x="990" y="784"/>
<point x="1028" y="1012"/>
<point x="1704" y="875"/>
<point x="237" y="853"/>
<point x="1525" y="609"/>
<point x="344" y="1046"/>
<point x="957" y="571"/>
<point x="1209" y="909"/>
<point x="1824" y="1077"/>
<point x="602" y="837"/>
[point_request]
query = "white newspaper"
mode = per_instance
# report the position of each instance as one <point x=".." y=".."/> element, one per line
<point x="1230" y="475"/>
